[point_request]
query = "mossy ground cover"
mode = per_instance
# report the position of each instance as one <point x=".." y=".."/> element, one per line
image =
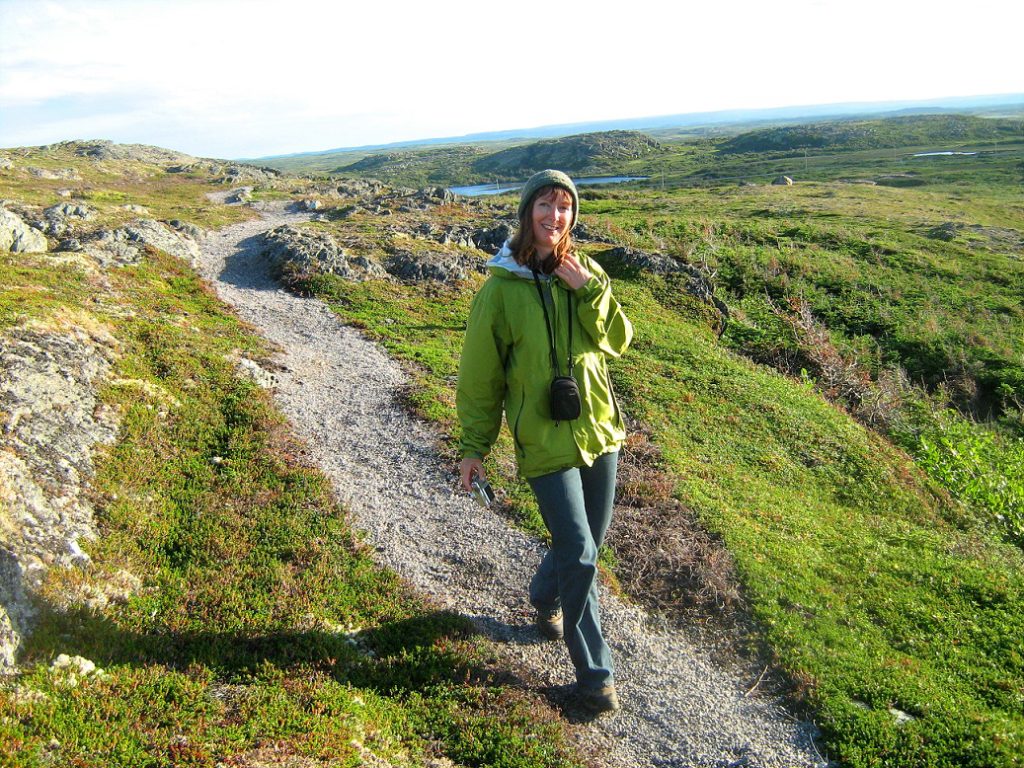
<point x="256" y="625"/>
<point x="108" y="185"/>
<point x="895" y="609"/>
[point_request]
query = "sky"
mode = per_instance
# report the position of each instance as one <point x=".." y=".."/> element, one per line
<point x="252" y="78"/>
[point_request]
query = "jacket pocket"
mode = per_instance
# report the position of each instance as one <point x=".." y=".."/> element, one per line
<point x="515" y="427"/>
<point x="615" y="401"/>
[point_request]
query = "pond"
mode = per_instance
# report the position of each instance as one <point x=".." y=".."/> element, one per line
<point x="935" y="154"/>
<point x="477" y="190"/>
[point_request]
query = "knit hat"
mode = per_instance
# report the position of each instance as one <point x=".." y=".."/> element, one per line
<point x="549" y="178"/>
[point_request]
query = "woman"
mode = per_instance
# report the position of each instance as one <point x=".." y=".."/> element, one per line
<point x="547" y="311"/>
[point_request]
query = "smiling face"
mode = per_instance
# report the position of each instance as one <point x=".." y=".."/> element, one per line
<point x="551" y="216"/>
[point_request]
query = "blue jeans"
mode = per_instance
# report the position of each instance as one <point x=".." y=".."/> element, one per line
<point x="576" y="505"/>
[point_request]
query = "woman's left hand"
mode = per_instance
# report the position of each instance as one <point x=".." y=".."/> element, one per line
<point x="572" y="272"/>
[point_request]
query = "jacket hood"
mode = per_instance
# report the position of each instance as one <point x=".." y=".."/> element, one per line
<point x="504" y="262"/>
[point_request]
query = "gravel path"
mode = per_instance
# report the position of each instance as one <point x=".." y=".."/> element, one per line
<point x="341" y="393"/>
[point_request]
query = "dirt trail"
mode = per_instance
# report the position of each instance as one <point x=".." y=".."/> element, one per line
<point x="342" y="394"/>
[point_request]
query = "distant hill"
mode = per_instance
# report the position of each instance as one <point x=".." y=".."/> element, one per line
<point x="1011" y="103"/>
<point x="586" y="154"/>
<point x="875" y="134"/>
<point x="590" y="152"/>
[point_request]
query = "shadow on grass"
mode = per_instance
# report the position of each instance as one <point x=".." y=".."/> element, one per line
<point x="402" y="656"/>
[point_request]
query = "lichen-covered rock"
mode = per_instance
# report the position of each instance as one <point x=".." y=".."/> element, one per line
<point x="58" y="219"/>
<point x="126" y="245"/>
<point x="51" y="421"/>
<point x="420" y="266"/>
<point x="313" y="251"/>
<point x="490" y="239"/>
<point x="18" y="237"/>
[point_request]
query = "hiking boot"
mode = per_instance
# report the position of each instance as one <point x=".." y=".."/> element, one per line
<point x="602" y="700"/>
<point x="549" y="623"/>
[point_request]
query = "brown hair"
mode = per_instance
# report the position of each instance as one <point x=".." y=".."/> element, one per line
<point x="522" y="243"/>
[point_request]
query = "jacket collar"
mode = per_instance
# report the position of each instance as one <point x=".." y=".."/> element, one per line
<point x="504" y="264"/>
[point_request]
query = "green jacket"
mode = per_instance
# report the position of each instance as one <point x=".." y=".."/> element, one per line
<point x="506" y="364"/>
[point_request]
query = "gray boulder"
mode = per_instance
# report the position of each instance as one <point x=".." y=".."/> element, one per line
<point x="240" y="195"/>
<point x="5" y="163"/>
<point x="782" y="181"/>
<point x="436" y="195"/>
<point x="187" y="229"/>
<point x="296" y="251"/>
<point x="126" y="245"/>
<point x="18" y="237"/>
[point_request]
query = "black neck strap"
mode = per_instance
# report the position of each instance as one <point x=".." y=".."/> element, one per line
<point x="551" y="330"/>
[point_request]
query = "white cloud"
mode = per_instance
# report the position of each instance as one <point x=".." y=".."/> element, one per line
<point x="255" y="75"/>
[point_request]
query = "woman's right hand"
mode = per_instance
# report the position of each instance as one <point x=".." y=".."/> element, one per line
<point x="467" y="469"/>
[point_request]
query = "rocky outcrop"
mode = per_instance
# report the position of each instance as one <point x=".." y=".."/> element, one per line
<point x="238" y="174"/>
<point x="946" y="232"/>
<point x="361" y="188"/>
<point x="18" y="237"/>
<point x="490" y="239"/>
<point x="311" y="251"/>
<point x="700" y="283"/>
<point x="419" y="266"/>
<point x="102" y="149"/>
<point x="240" y="195"/>
<point x="68" y="174"/>
<point x="654" y="263"/>
<point x="59" y="219"/>
<point x="126" y="245"/>
<point x="487" y="239"/>
<point x="51" y="421"/>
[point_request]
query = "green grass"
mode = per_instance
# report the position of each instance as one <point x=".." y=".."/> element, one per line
<point x="108" y="185"/>
<point x="877" y="584"/>
<point x="883" y="570"/>
<point x="259" y="625"/>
